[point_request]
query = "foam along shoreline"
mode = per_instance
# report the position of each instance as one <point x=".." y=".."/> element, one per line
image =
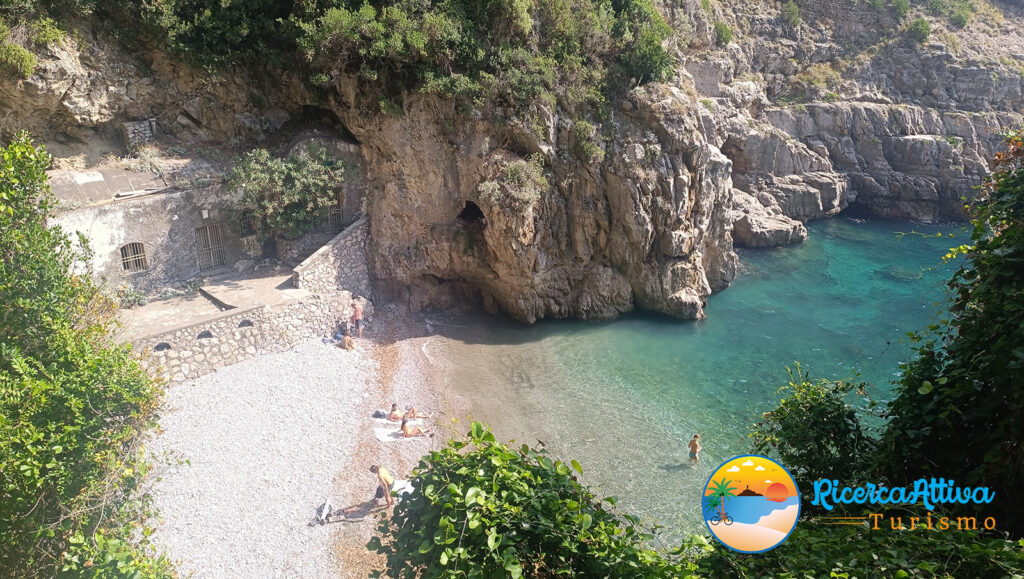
<point x="769" y="530"/>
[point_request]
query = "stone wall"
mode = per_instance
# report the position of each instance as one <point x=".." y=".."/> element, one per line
<point x="341" y="263"/>
<point x="197" y="349"/>
<point x="294" y="251"/>
<point x="138" y="132"/>
<point x="164" y="223"/>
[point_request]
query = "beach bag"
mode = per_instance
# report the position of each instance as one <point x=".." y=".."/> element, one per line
<point x="380" y="414"/>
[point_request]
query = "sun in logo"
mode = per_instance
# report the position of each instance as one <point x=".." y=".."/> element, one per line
<point x="751" y="503"/>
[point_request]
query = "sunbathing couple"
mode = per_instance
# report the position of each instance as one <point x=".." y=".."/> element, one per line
<point x="408" y="431"/>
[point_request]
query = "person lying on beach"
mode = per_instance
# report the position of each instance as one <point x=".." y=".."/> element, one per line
<point x="384" y="482"/>
<point x="409" y="431"/>
<point x="395" y="415"/>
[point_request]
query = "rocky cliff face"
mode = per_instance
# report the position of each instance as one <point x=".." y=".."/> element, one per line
<point x="784" y="124"/>
<point x="647" y="226"/>
<point x="83" y="88"/>
<point x="845" y="110"/>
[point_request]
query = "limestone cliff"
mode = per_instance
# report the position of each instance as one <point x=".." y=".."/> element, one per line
<point x="787" y="122"/>
<point x="648" y="225"/>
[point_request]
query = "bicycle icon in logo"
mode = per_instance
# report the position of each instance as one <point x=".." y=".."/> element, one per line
<point x="724" y="519"/>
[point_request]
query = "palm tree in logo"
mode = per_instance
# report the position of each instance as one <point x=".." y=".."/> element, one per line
<point x="720" y="493"/>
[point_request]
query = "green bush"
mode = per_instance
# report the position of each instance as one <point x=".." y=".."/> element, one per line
<point x="901" y="8"/>
<point x="72" y="406"/>
<point x="815" y="432"/>
<point x="959" y="405"/>
<point x="45" y="32"/>
<point x="961" y="15"/>
<point x="706" y="6"/>
<point x="286" y="197"/>
<point x="723" y="34"/>
<point x="481" y="509"/>
<point x="937" y="7"/>
<point x="17" y="60"/>
<point x="583" y="143"/>
<point x="319" y="80"/>
<point x="790" y="13"/>
<point x="648" y="61"/>
<point x="877" y="4"/>
<point x="919" y="30"/>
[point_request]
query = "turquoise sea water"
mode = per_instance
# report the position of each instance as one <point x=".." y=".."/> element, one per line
<point x="624" y="397"/>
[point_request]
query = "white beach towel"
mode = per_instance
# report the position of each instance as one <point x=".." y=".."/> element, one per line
<point x="398" y="424"/>
<point x="390" y="435"/>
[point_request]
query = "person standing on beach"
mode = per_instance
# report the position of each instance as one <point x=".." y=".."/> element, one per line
<point x="695" y="448"/>
<point x="357" y="318"/>
<point x="384" y="483"/>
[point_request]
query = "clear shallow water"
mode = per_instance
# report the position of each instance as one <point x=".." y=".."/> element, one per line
<point x="624" y="397"/>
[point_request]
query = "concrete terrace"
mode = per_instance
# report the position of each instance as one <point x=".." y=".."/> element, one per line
<point x="225" y="291"/>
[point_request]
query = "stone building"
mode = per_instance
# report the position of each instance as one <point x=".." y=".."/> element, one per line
<point x="150" y="231"/>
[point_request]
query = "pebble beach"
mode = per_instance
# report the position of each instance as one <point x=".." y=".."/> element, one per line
<point x="245" y="455"/>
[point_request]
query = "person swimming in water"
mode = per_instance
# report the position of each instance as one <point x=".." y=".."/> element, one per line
<point x="695" y="448"/>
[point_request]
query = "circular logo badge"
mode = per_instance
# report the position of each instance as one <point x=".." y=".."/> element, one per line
<point x="751" y="503"/>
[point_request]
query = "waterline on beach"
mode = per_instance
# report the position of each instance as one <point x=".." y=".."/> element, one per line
<point x="623" y="397"/>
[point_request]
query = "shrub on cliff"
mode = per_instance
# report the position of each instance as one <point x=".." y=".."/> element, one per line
<point x="286" y="197"/>
<point x="17" y="60"/>
<point x="481" y="509"/>
<point x="901" y="8"/>
<point x="790" y="13"/>
<point x="583" y="143"/>
<point x="518" y="187"/>
<point x="919" y="30"/>
<point x="72" y="405"/>
<point x="960" y="406"/>
<point x="723" y="34"/>
<point x="509" y="51"/>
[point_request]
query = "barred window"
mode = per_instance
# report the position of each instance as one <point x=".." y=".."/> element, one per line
<point x="133" y="258"/>
<point x="245" y="225"/>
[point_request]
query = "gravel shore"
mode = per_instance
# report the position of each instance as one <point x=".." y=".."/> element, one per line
<point x="245" y="455"/>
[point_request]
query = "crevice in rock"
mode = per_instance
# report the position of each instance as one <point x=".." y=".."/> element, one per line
<point x="471" y="213"/>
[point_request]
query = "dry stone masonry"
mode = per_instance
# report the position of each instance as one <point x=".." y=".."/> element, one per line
<point x="341" y="263"/>
<point x="198" y="349"/>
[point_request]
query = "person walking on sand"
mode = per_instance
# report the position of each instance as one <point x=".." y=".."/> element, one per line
<point x="695" y="448"/>
<point x="384" y="484"/>
<point x="357" y="318"/>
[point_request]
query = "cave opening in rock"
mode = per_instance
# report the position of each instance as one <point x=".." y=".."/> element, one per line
<point x="471" y="213"/>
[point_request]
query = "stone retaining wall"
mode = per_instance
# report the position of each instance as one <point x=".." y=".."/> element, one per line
<point x="235" y="335"/>
<point x="341" y="263"/>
